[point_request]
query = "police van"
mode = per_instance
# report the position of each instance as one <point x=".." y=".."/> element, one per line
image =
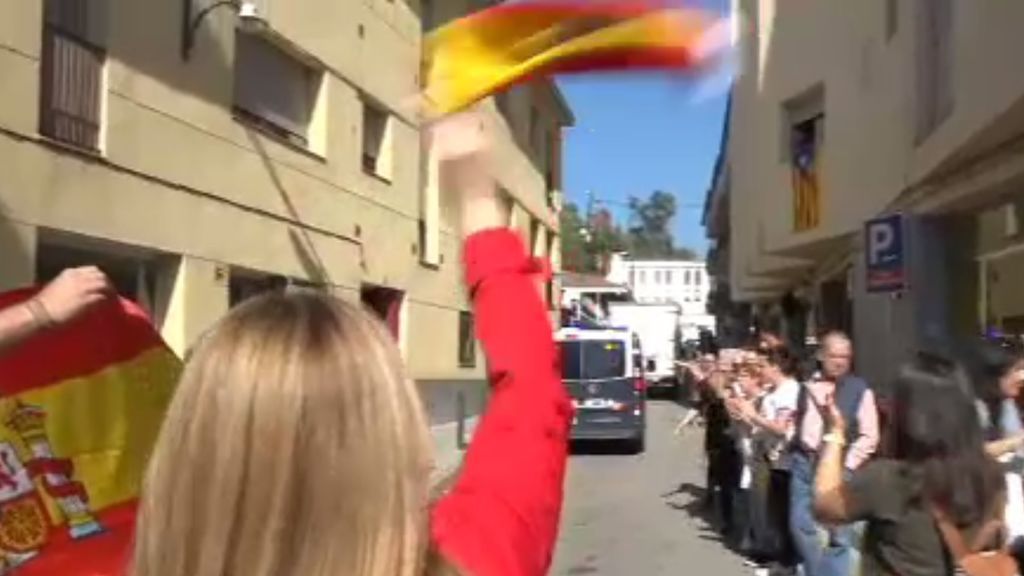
<point x="602" y="369"/>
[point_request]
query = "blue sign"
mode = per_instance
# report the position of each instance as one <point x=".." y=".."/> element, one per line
<point x="885" y="253"/>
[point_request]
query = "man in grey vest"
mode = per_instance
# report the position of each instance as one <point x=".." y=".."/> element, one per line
<point x="827" y="551"/>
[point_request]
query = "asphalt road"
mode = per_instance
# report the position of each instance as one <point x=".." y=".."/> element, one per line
<point x="639" y="515"/>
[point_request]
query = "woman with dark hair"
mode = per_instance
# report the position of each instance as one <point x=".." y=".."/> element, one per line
<point x="998" y="378"/>
<point x="937" y="468"/>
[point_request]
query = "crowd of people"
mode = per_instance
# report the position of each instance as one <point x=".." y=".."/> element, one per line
<point x="295" y="444"/>
<point x="810" y="473"/>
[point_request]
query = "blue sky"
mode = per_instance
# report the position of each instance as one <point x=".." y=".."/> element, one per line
<point x="636" y="135"/>
<point x="643" y="132"/>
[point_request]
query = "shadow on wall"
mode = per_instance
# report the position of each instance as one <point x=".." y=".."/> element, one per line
<point x="17" y="260"/>
<point x="147" y="37"/>
<point x="300" y="238"/>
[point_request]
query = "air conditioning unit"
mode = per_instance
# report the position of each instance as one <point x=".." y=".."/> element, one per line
<point x="253" y="14"/>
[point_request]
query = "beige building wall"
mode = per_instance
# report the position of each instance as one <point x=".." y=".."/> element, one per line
<point x="186" y="182"/>
<point x="866" y="67"/>
<point x="923" y="114"/>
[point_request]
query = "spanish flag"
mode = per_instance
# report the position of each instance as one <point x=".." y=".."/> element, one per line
<point x="486" y="52"/>
<point x="80" y="408"/>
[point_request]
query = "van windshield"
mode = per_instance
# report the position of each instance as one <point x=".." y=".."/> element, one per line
<point x="593" y="359"/>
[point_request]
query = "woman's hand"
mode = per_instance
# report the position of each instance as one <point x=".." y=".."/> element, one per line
<point x="832" y="416"/>
<point x="462" y="144"/>
<point x="830" y="501"/>
<point x="72" y="293"/>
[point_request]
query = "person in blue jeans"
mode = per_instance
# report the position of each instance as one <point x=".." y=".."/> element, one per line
<point x="828" y="550"/>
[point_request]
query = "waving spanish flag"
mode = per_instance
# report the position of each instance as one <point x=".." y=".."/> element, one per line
<point x="80" y="408"/>
<point x="481" y="54"/>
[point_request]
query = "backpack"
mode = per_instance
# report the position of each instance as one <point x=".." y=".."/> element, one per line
<point x="973" y="561"/>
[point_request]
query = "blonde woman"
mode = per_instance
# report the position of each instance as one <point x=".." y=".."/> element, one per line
<point x="295" y="445"/>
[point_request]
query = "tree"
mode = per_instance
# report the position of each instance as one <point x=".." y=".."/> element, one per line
<point x="587" y="247"/>
<point x="650" y="231"/>
<point x="684" y="253"/>
<point x="574" y="242"/>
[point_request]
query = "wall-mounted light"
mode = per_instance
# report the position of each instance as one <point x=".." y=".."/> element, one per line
<point x="192" y="19"/>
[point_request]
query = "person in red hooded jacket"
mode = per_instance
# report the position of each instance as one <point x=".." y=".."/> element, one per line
<point x="296" y="446"/>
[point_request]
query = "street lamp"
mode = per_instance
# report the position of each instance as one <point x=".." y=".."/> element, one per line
<point x="192" y="19"/>
<point x="248" y="10"/>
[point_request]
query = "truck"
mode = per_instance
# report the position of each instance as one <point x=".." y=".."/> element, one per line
<point x="657" y="328"/>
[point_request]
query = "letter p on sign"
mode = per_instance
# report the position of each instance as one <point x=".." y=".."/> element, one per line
<point x="880" y="240"/>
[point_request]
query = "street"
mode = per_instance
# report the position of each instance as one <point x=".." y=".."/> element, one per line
<point x="640" y="515"/>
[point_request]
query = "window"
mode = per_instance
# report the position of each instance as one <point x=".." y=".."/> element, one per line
<point x="698" y="278"/>
<point x="387" y="304"/>
<point x="427" y="15"/>
<point x="275" y="90"/>
<point x="668" y="277"/>
<point x="509" y="206"/>
<point x="802" y="146"/>
<point x="430" y="210"/>
<point x="243" y="285"/>
<point x="807" y="137"/>
<point x="501" y="101"/>
<point x="71" y="92"/>
<point x="132" y="272"/>
<point x="657" y="276"/>
<point x="643" y="277"/>
<point x="534" y="126"/>
<point x="593" y="359"/>
<point x="549" y="186"/>
<point x="687" y="278"/>
<point x="538" y="140"/>
<point x="536" y="237"/>
<point x="892" y="18"/>
<point x="376" y="142"/>
<point x="467" y="343"/>
<point x="555" y="259"/>
<point x="935" y="66"/>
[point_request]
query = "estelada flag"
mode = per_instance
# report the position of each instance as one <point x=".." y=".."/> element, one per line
<point x="486" y="52"/>
<point x="80" y="408"/>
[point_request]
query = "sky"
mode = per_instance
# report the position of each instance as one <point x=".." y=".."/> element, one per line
<point x="638" y="133"/>
<point x="634" y="136"/>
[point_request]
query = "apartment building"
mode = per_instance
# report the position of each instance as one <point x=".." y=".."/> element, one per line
<point x="873" y="173"/>
<point x="681" y="282"/>
<point x="201" y="152"/>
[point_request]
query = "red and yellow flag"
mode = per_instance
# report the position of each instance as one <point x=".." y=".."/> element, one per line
<point x="80" y="408"/>
<point x="473" y="57"/>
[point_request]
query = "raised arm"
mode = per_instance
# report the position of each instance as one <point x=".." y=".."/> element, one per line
<point x="501" y="516"/>
<point x="68" y="296"/>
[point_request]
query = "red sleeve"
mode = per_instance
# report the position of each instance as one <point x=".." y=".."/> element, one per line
<point x="501" y="516"/>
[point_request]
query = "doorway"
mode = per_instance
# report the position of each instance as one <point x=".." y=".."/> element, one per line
<point x="386" y="303"/>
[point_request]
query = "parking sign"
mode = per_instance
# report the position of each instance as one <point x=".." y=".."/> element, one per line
<point x="885" y="253"/>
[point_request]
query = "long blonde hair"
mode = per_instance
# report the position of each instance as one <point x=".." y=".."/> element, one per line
<point x="294" y="446"/>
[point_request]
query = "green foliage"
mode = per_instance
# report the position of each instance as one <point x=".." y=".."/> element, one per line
<point x="586" y="246"/>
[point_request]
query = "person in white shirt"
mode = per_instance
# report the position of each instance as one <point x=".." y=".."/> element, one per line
<point x="773" y="424"/>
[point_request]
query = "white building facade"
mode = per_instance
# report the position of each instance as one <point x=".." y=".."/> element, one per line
<point x="682" y="282"/>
